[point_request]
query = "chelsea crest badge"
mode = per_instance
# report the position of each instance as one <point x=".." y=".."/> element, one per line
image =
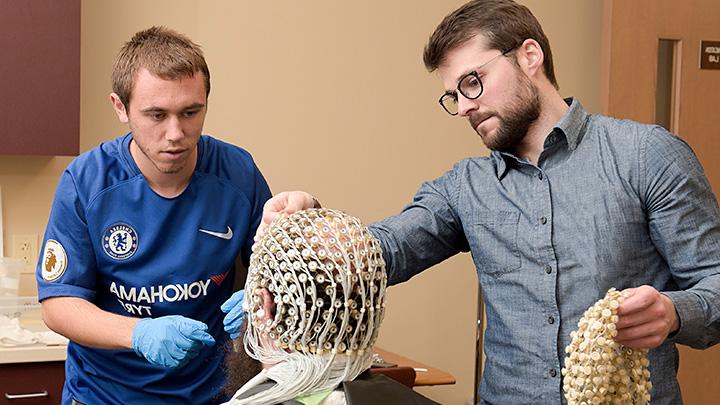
<point x="120" y="241"/>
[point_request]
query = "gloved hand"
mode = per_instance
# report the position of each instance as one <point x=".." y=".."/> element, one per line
<point x="170" y="341"/>
<point x="233" y="307"/>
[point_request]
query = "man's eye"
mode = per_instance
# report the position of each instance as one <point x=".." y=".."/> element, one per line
<point x="472" y="82"/>
<point x="189" y="114"/>
<point x="157" y="116"/>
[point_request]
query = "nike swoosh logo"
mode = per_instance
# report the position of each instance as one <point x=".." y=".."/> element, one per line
<point x="227" y="235"/>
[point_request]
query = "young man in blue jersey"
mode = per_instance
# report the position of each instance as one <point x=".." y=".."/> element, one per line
<point x="142" y="240"/>
<point x="567" y="205"/>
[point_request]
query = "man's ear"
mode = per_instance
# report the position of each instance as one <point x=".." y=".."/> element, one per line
<point x="531" y="57"/>
<point x="119" y="108"/>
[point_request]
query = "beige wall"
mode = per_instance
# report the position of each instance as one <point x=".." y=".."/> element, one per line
<point x="330" y="97"/>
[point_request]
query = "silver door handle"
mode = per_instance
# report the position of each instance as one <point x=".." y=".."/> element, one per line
<point x="22" y="396"/>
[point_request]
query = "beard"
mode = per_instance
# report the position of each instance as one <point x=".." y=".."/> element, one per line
<point x="515" y="120"/>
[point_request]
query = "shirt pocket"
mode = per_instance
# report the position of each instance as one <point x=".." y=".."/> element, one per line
<point x="495" y="239"/>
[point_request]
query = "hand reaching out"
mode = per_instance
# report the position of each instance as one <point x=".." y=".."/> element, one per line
<point x="286" y="202"/>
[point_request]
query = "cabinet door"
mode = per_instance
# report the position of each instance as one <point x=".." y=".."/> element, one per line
<point x="40" y="77"/>
<point x="25" y="383"/>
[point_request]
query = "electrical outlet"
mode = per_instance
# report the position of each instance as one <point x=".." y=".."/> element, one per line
<point x="25" y="248"/>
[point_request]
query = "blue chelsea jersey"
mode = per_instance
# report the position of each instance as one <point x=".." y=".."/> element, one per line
<point x="113" y="241"/>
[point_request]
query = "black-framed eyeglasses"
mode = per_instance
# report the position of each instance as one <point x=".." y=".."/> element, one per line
<point x="470" y="86"/>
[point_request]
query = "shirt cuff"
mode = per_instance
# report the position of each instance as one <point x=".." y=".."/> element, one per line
<point x="691" y="331"/>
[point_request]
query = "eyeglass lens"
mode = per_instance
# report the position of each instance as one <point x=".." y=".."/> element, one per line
<point x="470" y="87"/>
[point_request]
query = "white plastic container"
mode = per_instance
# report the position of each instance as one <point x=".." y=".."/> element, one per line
<point x="24" y="312"/>
<point x="20" y="307"/>
<point x="10" y="276"/>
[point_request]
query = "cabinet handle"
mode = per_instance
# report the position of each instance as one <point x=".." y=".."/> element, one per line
<point x="22" y="396"/>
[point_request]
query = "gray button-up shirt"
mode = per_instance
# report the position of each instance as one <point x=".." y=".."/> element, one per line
<point x="610" y="203"/>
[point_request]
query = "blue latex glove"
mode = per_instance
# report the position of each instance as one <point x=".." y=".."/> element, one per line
<point x="233" y="308"/>
<point x="170" y="341"/>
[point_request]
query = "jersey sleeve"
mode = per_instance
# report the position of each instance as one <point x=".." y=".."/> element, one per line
<point x="67" y="264"/>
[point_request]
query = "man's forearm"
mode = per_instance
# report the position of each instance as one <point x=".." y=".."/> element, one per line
<point x="84" y="323"/>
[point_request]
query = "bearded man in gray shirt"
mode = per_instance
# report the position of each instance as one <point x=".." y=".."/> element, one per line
<point x="567" y="205"/>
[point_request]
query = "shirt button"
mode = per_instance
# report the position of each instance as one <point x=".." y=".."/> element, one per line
<point x="553" y="373"/>
<point x="548" y="269"/>
<point x="540" y="176"/>
<point x="543" y="220"/>
<point x="551" y="320"/>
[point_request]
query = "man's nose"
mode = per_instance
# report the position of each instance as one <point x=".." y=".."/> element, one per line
<point x="465" y="105"/>
<point x="174" y="130"/>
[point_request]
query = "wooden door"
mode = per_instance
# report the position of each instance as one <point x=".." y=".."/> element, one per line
<point x="634" y="29"/>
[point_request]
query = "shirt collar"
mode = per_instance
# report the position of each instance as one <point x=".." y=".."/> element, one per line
<point x="504" y="161"/>
<point x="500" y="163"/>
<point x="571" y="125"/>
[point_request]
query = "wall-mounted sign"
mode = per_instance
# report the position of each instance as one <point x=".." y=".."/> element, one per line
<point x="709" y="54"/>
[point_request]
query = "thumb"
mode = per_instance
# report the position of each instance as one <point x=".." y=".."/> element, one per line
<point x="202" y="337"/>
<point x="269" y="216"/>
<point x="274" y="206"/>
<point x="629" y="292"/>
<point x="233" y="301"/>
<point x="195" y="330"/>
<point x="636" y="299"/>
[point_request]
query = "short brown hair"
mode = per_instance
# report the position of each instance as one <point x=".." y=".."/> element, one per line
<point x="162" y="51"/>
<point x="504" y="23"/>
